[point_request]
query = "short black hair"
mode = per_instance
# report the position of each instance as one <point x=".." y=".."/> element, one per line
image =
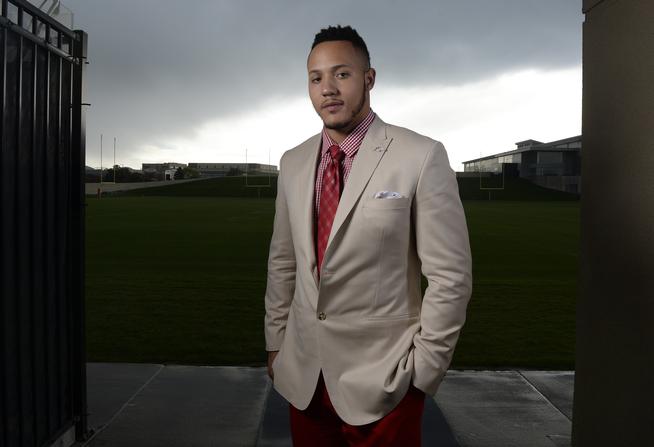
<point x="339" y="32"/>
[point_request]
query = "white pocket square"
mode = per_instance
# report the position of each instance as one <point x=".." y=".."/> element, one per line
<point x="387" y="195"/>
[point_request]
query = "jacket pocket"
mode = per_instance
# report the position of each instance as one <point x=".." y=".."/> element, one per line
<point x="400" y="202"/>
<point x="383" y="318"/>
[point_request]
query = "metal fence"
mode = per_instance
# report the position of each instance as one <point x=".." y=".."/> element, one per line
<point x="42" y="144"/>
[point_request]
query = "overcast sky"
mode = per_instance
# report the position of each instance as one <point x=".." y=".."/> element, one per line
<point x="201" y="81"/>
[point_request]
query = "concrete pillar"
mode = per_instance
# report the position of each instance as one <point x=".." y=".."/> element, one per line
<point x="614" y="379"/>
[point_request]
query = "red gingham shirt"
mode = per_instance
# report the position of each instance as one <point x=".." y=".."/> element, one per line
<point x="349" y="145"/>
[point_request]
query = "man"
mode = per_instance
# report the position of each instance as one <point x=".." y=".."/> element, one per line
<point x="362" y="209"/>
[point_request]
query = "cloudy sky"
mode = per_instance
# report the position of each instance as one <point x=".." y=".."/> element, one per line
<point x="202" y="81"/>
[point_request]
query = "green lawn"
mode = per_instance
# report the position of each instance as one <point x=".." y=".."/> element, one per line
<point x="525" y="266"/>
<point x="182" y="280"/>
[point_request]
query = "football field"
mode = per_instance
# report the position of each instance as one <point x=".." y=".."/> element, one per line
<point x="182" y="280"/>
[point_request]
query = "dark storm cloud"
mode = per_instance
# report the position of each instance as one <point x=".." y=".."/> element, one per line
<point x="161" y="68"/>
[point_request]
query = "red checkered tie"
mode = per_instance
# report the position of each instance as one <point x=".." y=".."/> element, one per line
<point x="329" y="197"/>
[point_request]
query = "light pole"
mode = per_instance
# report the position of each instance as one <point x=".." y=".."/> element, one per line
<point x="114" y="160"/>
<point x="100" y="159"/>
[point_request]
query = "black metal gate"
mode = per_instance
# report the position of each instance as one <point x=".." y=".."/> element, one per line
<point x="42" y="144"/>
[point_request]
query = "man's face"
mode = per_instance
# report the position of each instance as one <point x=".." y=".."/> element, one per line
<point x="339" y="84"/>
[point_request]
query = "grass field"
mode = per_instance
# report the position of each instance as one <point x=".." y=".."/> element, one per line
<point x="469" y="189"/>
<point x="182" y="279"/>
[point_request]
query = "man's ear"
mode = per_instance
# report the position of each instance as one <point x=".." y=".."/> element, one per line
<point x="370" y="78"/>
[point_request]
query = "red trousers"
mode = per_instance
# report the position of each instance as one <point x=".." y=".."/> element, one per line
<point x="319" y="425"/>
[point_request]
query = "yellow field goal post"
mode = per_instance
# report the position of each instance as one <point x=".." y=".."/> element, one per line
<point x="257" y="185"/>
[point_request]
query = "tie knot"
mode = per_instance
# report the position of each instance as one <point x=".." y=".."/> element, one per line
<point x="336" y="152"/>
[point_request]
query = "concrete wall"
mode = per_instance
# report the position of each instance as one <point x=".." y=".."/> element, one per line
<point x="92" y="188"/>
<point x="614" y="380"/>
<point x="566" y="183"/>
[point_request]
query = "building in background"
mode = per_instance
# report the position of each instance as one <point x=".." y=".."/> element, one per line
<point x="555" y="165"/>
<point x="161" y="168"/>
<point x="223" y="169"/>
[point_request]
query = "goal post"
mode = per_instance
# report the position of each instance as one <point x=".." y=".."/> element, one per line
<point x="491" y="188"/>
<point x="268" y="183"/>
<point x="247" y="180"/>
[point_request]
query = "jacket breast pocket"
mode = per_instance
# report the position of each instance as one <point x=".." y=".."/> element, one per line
<point x="386" y="204"/>
<point x="388" y="222"/>
<point x="387" y="215"/>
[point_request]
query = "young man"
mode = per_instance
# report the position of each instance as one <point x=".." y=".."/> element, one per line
<point x="362" y="209"/>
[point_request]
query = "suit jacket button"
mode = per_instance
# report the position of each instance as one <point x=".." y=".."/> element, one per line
<point x="322" y="316"/>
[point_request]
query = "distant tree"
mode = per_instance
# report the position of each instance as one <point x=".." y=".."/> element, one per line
<point x="92" y="177"/>
<point x="190" y="173"/>
<point x="108" y="175"/>
<point x="123" y="175"/>
<point x="135" y="177"/>
<point x="179" y="174"/>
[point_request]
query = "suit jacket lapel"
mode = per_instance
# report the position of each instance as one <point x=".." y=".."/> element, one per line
<point x="366" y="160"/>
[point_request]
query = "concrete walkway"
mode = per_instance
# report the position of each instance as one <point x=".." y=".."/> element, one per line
<point x="148" y="405"/>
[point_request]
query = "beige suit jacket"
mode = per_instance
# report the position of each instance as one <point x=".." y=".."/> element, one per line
<point x="365" y="323"/>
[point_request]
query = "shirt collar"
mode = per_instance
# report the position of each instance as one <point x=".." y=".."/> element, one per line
<point x="352" y="142"/>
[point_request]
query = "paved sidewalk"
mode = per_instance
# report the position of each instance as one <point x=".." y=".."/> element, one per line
<point x="148" y="405"/>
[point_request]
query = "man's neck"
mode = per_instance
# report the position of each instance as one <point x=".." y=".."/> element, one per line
<point x="338" y="135"/>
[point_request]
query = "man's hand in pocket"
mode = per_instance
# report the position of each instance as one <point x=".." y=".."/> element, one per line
<point x="271" y="358"/>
